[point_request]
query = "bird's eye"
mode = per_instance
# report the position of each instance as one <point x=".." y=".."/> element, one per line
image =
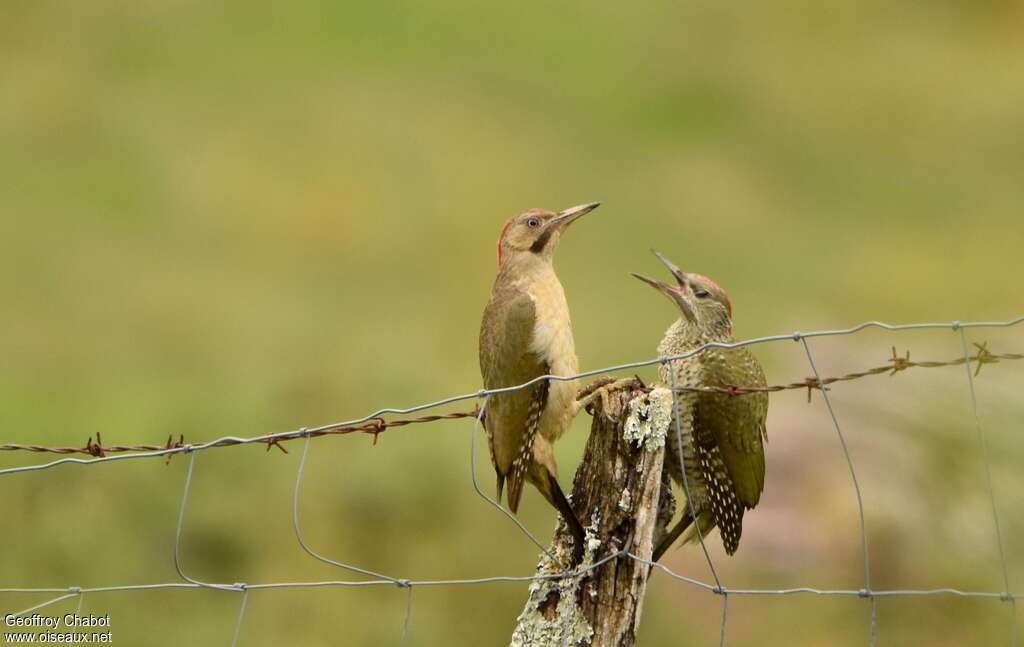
<point x="701" y="293"/>
<point x="533" y="222"/>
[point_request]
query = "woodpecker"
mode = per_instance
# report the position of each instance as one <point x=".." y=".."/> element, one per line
<point x="526" y="333"/>
<point x="723" y="434"/>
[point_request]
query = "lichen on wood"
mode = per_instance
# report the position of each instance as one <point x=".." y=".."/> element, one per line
<point x="552" y="614"/>
<point x="619" y="488"/>
<point x="649" y="417"/>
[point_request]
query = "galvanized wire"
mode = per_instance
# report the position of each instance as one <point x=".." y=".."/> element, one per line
<point x="298" y="530"/>
<point x="270" y="438"/>
<point x="682" y="468"/>
<point x="988" y="483"/>
<point x="378" y="579"/>
<point x="856" y="490"/>
<point x="238" y="620"/>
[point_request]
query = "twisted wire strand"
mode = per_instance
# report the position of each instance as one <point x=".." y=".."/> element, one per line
<point x="375" y="424"/>
<point x="856" y="490"/>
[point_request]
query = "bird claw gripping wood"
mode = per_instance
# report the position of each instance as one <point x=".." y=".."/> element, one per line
<point x="593" y="395"/>
<point x="594" y="386"/>
<point x="593" y="398"/>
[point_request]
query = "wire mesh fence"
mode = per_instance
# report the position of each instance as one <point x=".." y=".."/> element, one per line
<point x="376" y="423"/>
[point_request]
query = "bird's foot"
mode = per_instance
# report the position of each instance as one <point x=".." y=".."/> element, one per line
<point x="586" y="392"/>
<point x="595" y="399"/>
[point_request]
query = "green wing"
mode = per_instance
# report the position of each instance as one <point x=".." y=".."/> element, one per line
<point x="506" y="360"/>
<point x="735" y="424"/>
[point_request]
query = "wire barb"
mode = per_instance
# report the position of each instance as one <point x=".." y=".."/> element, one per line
<point x="376" y="423"/>
<point x="983" y="446"/>
<point x="94" y="449"/>
<point x="853" y="477"/>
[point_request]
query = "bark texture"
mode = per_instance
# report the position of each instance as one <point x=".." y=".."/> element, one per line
<point x="622" y="497"/>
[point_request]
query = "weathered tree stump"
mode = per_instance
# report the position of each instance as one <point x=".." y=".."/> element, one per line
<point x="625" y="502"/>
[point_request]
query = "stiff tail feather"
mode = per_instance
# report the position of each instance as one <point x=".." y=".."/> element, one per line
<point x="726" y="510"/>
<point x="706" y="523"/>
<point x="524" y="457"/>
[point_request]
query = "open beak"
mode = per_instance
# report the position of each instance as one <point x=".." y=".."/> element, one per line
<point x="566" y="218"/>
<point x="672" y="267"/>
<point x="664" y="288"/>
<point x="675" y="295"/>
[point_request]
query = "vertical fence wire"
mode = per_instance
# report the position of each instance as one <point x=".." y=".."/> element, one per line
<point x="725" y="618"/>
<point x="408" y="614"/>
<point x="497" y="504"/>
<point x="682" y="465"/>
<point x="241" y="614"/>
<point x="298" y="529"/>
<point x="856" y="489"/>
<point x="983" y="447"/>
<point x="379" y="579"/>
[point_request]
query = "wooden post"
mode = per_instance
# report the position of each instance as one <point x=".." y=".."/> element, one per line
<point x="622" y="497"/>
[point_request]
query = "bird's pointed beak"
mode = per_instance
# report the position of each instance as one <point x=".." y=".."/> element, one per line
<point x="567" y="217"/>
<point x="664" y="288"/>
<point x="672" y="267"/>
<point x="675" y="295"/>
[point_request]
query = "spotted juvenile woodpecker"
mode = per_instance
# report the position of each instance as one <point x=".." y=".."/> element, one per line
<point x="526" y="333"/>
<point x="722" y="434"/>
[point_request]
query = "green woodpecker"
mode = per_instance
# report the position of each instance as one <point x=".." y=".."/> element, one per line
<point x="525" y="333"/>
<point x="722" y="434"/>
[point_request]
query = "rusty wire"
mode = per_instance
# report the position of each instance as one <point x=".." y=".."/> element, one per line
<point x="896" y="364"/>
<point x="377" y="424"/>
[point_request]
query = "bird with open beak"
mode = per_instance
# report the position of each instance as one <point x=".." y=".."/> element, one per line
<point x="525" y="333"/>
<point x="721" y="439"/>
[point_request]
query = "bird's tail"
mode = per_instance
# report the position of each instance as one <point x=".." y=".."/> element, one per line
<point x="705" y="522"/>
<point x="524" y="459"/>
<point x="547" y="483"/>
<point x="517" y="476"/>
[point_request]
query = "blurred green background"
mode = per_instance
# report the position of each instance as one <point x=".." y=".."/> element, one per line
<point x="225" y="219"/>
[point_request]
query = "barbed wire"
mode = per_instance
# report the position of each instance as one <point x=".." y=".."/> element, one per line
<point x="856" y="489"/>
<point x="378" y="425"/>
<point x="303" y="432"/>
<point x="375" y="424"/>
<point x="375" y="427"/>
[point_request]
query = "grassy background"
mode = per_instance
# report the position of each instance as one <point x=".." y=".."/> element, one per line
<point x="220" y="219"/>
